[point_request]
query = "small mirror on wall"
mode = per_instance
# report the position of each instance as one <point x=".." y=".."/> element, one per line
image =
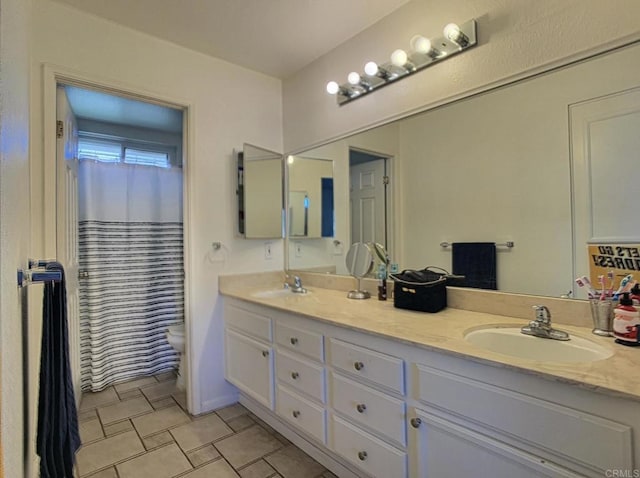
<point x="260" y="200"/>
<point x="311" y="210"/>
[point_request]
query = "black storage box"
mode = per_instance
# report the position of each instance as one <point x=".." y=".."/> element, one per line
<point x="423" y="290"/>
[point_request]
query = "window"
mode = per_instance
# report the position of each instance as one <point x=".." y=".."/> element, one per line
<point x="148" y="158"/>
<point x="125" y="151"/>
<point x="102" y="151"/>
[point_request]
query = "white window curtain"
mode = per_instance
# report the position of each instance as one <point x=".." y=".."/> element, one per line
<point x="131" y="247"/>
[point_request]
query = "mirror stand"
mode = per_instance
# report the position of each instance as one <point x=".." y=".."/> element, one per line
<point x="359" y="293"/>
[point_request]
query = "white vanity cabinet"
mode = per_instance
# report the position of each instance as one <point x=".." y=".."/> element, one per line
<point x="249" y="353"/>
<point x="366" y="405"/>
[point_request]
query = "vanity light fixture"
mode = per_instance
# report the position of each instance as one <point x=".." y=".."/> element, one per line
<point x="424" y="52"/>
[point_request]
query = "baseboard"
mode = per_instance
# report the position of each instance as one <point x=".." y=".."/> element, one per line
<point x="318" y="452"/>
<point x="219" y="402"/>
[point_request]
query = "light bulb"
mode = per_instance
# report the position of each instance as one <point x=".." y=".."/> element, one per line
<point x="353" y="78"/>
<point x="399" y="58"/>
<point x="420" y="44"/>
<point x="371" y="68"/>
<point x="290" y="159"/>
<point x="452" y="32"/>
<point x="333" y="87"/>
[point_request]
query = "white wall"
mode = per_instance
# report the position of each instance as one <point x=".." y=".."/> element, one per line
<point x="229" y="105"/>
<point x="514" y="37"/>
<point x="14" y="229"/>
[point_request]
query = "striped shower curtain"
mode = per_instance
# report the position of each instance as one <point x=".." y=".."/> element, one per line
<point x="131" y="263"/>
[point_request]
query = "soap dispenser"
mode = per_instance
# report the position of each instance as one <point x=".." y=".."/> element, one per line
<point x="626" y="322"/>
<point x="635" y="294"/>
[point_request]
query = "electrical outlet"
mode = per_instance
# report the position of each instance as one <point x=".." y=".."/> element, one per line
<point x="298" y="247"/>
<point x="267" y="251"/>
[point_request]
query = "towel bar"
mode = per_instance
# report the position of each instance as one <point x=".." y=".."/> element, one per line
<point x="32" y="276"/>
<point x="508" y="244"/>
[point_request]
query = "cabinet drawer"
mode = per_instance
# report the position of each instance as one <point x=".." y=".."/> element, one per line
<point x="576" y="436"/>
<point x="374" y="409"/>
<point x="248" y="322"/>
<point x="302" y="341"/>
<point x="377" y="367"/>
<point x="374" y="456"/>
<point x="301" y="412"/>
<point x="301" y="374"/>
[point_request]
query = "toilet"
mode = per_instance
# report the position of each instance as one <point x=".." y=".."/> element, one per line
<point x="175" y="337"/>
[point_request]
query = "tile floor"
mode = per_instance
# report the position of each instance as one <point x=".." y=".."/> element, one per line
<point x="141" y="429"/>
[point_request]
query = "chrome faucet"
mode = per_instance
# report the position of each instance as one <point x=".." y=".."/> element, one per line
<point x="541" y="327"/>
<point x="296" y="287"/>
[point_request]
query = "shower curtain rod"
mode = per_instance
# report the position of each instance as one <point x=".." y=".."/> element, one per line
<point x="32" y="276"/>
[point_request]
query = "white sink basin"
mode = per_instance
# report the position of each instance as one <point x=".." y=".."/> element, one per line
<point x="510" y="341"/>
<point x="274" y="293"/>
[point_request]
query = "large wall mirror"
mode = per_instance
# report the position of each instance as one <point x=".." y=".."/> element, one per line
<point x="260" y="193"/>
<point x="501" y="167"/>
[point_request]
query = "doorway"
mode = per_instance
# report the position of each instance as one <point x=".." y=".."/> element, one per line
<point x="120" y="202"/>
<point x="369" y="197"/>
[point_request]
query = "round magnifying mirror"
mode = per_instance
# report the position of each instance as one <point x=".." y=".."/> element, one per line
<point x="359" y="263"/>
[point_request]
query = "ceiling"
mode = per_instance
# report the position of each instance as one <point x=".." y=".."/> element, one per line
<point x="99" y="106"/>
<point x="275" y="37"/>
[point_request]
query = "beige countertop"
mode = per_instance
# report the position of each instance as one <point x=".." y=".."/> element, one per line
<point x="444" y="332"/>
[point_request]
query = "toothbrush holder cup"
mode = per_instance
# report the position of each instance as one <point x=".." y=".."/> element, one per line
<point x="602" y="316"/>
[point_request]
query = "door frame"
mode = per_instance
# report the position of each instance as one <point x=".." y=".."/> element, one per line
<point x="54" y="75"/>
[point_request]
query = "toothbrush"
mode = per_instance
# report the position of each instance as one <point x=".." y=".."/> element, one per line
<point x="629" y="286"/>
<point x="623" y="283"/>
<point x="587" y="283"/>
<point x="603" y="292"/>
<point x="581" y="283"/>
<point x="610" y="290"/>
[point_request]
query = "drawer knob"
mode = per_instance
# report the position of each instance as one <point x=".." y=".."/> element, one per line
<point x="265" y="353"/>
<point x="295" y="413"/>
<point x="361" y="407"/>
<point x="362" y="455"/>
<point x="295" y="375"/>
<point x="294" y="340"/>
<point x="358" y="365"/>
<point x="416" y="422"/>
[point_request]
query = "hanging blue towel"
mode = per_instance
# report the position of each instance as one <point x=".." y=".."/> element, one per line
<point x="58" y="435"/>
<point x="477" y="262"/>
